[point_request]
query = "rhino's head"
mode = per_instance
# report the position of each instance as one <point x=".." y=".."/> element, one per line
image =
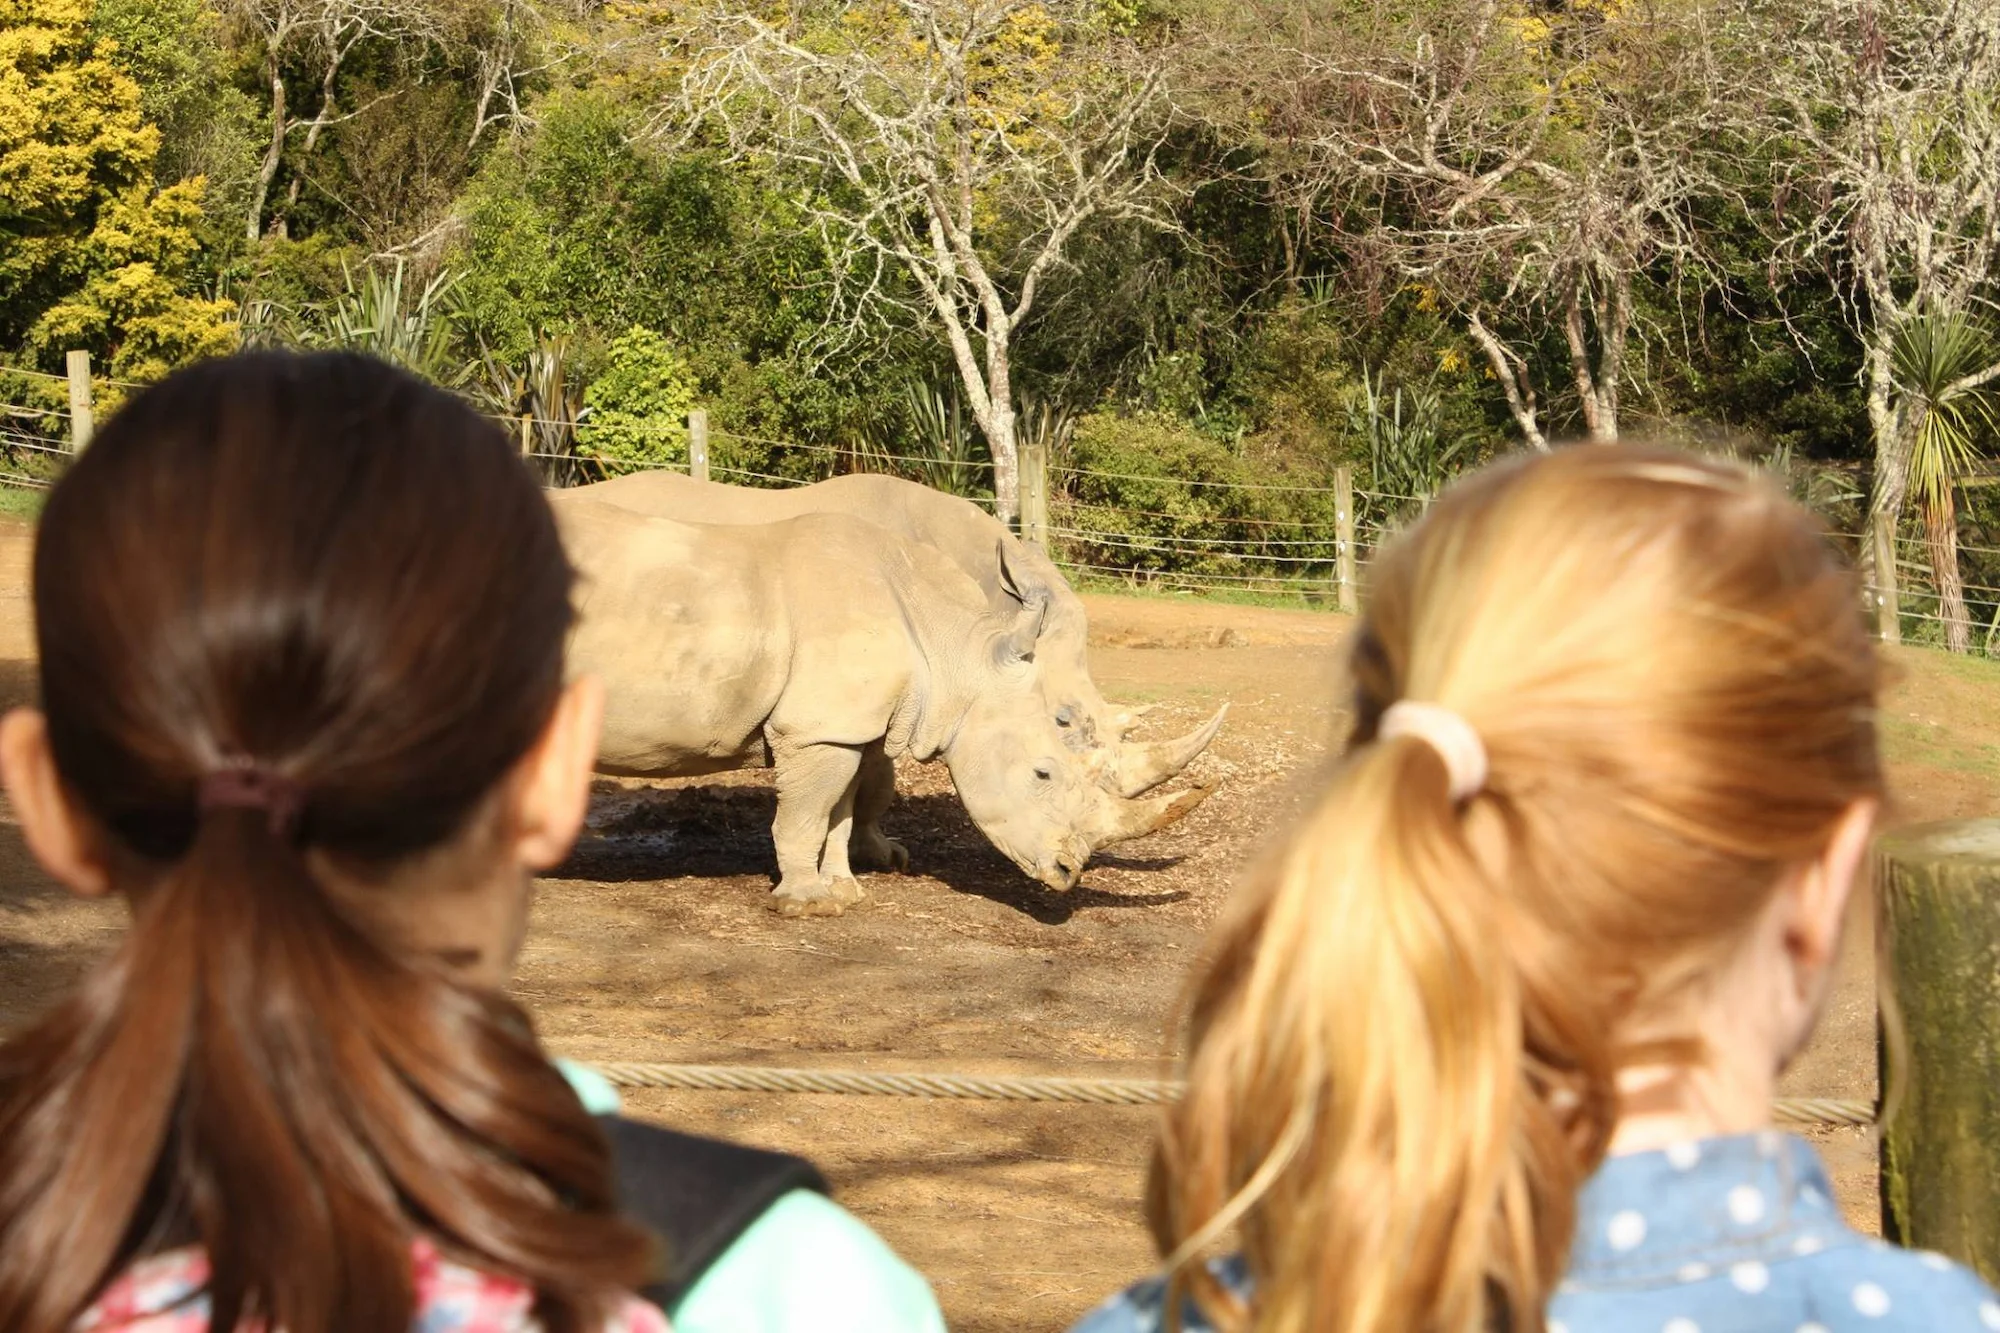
<point x="1033" y="798"/>
<point x="1089" y="726"/>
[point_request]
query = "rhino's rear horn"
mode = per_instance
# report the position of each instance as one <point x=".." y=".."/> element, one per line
<point x="1143" y="766"/>
<point x="1135" y="819"/>
<point x="1123" y="723"/>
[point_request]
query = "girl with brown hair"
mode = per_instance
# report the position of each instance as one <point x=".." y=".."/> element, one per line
<point x="1490" y="1042"/>
<point x="302" y="625"/>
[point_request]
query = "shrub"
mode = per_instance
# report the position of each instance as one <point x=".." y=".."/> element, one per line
<point x="638" y="405"/>
<point x="1148" y="493"/>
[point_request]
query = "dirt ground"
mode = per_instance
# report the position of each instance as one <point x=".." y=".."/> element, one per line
<point x="654" y="944"/>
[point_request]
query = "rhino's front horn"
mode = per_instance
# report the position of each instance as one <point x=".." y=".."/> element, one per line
<point x="1143" y="766"/>
<point x="1135" y="819"/>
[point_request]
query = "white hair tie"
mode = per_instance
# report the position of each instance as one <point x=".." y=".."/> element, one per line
<point x="1464" y="754"/>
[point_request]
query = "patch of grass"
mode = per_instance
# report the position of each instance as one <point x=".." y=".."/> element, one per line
<point x="1166" y="592"/>
<point x="1936" y="661"/>
<point x="22" y="502"/>
<point x="1910" y="741"/>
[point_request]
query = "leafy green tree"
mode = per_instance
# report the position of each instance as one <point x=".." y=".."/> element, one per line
<point x="90" y="255"/>
<point x="175" y="50"/>
<point x="579" y="232"/>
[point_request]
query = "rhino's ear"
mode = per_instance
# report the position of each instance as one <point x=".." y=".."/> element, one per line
<point x="1020" y="589"/>
<point x="1018" y="643"/>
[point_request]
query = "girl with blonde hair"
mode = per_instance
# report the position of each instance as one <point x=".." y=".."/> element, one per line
<point x="1490" y="1042"/>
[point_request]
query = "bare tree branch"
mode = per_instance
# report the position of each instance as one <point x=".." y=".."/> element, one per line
<point x="962" y="145"/>
<point x="1887" y="180"/>
<point x="322" y="34"/>
<point x="1524" y="165"/>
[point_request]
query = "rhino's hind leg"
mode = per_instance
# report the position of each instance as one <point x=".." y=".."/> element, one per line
<point x="816" y="789"/>
<point x="873" y="795"/>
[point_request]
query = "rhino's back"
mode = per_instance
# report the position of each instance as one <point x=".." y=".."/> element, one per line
<point x="966" y="534"/>
<point x="711" y="636"/>
<point x="691" y="642"/>
<point x="679" y="496"/>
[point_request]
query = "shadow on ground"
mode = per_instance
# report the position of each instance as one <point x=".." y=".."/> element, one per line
<point x="723" y="831"/>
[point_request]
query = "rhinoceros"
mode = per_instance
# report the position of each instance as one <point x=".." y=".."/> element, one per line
<point x="823" y="646"/>
<point x="981" y="546"/>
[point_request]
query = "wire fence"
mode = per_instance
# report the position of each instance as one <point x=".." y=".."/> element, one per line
<point x="1146" y="531"/>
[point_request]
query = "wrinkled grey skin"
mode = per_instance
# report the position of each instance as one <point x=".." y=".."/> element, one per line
<point x="1006" y="569"/>
<point x="824" y="646"/>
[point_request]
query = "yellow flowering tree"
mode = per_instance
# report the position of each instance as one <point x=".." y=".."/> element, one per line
<point x="91" y="255"/>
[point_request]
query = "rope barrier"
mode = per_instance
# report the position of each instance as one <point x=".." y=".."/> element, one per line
<point x="1027" y="1088"/>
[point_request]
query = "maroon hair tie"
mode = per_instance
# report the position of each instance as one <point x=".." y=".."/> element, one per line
<point x="244" y="784"/>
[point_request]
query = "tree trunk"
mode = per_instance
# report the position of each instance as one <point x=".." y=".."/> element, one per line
<point x="274" y="152"/>
<point x="1576" y="336"/>
<point x="1614" y="322"/>
<point x="999" y="422"/>
<point x="1885" y="505"/>
<point x="312" y="132"/>
<point x="1006" y="462"/>
<point x="1941" y="545"/>
<point x="1511" y="370"/>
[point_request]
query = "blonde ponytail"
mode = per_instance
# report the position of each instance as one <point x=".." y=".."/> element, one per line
<point x="1373" y="936"/>
<point x="1403" y="1046"/>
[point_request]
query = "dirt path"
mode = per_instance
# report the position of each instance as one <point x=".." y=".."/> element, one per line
<point x="654" y="944"/>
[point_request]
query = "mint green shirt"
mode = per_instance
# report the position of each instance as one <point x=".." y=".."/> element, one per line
<point x="806" y="1264"/>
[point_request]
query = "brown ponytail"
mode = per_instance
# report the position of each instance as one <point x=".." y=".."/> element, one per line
<point x="329" y="567"/>
<point x="1403" y="1047"/>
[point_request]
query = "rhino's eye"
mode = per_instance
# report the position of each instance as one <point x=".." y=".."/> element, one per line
<point x="1042" y="772"/>
<point x="1064" y="717"/>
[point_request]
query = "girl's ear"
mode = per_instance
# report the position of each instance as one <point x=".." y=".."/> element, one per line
<point x="56" y="831"/>
<point x="1820" y="895"/>
<point x="552" y="792"/>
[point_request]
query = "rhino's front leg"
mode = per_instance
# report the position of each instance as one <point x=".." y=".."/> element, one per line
<point x="873" y="795"/>
<point x="815" y="795"/>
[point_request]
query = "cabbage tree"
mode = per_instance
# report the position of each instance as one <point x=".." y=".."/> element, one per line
<point x="1950" y="413"/>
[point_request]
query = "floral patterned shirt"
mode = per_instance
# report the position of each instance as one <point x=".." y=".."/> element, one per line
<point x="165" y="1294"/>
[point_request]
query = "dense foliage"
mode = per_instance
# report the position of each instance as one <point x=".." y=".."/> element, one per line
<point x="1196" y="248"/>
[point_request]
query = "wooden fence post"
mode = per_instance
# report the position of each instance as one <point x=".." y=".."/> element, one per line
<point x="1035" y="494"/>
<point x="1347" y="594"/>
<point x="698" y="444"/>
<point x="1939" y="919"/>
<point x="82" y="423"/>
<point x="527" y="436"/>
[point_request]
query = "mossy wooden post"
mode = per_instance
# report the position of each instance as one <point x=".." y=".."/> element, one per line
<point x="1035" y="494"/>
<point x="1940" y="924"/>
<point x="1348" y="597"/>
<point x="82" y="419"/>
<point x="698" y="444"/>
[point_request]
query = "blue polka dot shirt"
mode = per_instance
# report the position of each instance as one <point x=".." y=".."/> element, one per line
<point x="1722" y="1235"/>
